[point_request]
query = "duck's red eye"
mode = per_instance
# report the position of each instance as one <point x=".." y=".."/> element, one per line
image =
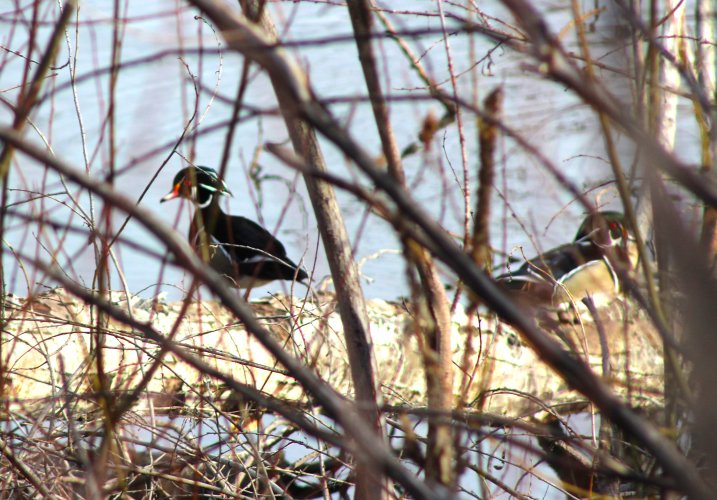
<point x="187" y="182"/>
<point x="615" y="229"/>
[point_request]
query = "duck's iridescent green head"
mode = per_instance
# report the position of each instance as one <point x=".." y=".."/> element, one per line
<point x="608" y="228"/>
<point x="198" y="184"/>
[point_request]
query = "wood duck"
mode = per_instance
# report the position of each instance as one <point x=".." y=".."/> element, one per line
<point x="582" y="268"/>
<point x="241" y="250"/>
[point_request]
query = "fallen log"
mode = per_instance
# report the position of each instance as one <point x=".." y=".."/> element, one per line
<point x="495" y="370"/>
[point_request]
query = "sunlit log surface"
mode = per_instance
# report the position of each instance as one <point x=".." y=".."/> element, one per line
<point x="496" y="371"/>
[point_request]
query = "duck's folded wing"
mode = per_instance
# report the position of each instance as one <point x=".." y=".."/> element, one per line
<point x="255" y="251"/>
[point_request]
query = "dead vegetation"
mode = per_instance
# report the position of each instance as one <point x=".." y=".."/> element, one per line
<point x="457" y="388"/>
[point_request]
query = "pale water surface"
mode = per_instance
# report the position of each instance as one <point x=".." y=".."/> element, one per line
<point x="154" y="100"/>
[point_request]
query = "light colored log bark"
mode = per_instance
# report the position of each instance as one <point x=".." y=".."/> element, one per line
<point x="515" y="382"/>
